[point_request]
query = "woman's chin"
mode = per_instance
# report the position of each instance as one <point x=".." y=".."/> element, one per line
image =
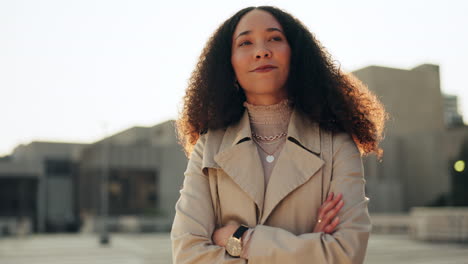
<point x="265" y="97"/>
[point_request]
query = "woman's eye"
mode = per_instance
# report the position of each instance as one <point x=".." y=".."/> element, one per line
<point x="277" y="38"/>
<point x="247" y="42"/>
<point x="244" y="43"/>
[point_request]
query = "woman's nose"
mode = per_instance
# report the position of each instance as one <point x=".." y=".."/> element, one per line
<point x="263" y="52"/>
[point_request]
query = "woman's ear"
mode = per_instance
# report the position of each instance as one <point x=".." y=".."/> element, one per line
<point x="236" y="85"/>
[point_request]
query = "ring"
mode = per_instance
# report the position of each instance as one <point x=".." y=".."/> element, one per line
<point x="319" y="221"/>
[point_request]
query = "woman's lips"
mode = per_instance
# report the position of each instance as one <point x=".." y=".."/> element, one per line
<point x="264" y="69"/>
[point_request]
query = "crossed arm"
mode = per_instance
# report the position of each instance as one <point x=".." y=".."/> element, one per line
<point x="193" y="227"/>
<point x="327" y="224"/>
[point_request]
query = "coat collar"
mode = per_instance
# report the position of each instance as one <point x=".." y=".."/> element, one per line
<point x="300" y="130"/>
<point x="298" y="161"/>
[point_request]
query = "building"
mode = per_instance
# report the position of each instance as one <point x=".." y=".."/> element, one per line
<point x="452" y="116"/>
<point x="37" y="187"/>
<point x="144" y="169"/>
<point x="58" y="187"/>
<point x="418" y="145"/>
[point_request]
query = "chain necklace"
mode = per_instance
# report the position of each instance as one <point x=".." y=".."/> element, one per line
<point x="269" y="138"/>
<point x="269" y="158"/>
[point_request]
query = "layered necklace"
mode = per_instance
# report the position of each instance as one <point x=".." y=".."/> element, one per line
<point x="265" y="120"/>
<point x="270" y="155"/>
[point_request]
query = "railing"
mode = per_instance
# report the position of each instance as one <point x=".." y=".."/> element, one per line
<point x="439" y="224"/>
<point x="14" y="226"/>
<point x="133" y="224"/>
<point x="390" y="223"/>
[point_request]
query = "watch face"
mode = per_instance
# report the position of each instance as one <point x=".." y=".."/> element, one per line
<point x="234" y="246"/>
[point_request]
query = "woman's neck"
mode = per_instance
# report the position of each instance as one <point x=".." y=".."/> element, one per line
<point x="266" y="99"/>
<point x="269" y="114"/>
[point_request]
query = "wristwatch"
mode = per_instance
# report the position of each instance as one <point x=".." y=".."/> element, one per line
<point x="234" y="244"/>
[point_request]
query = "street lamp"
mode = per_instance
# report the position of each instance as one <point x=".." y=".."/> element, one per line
<point x="104" y="238"/>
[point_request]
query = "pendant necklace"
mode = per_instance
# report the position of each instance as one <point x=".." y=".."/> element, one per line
<point x="269" y="158"/>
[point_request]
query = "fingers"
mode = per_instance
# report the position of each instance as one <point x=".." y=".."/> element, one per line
<point x="327" y="218"/>
<point x="331" y="227"/>
<point x="329" y="204"/>
<point x="330" y="220"/>
<point x="327" y="214"/>
<point x="329" y="198"/>
<point x="327" y="227"/>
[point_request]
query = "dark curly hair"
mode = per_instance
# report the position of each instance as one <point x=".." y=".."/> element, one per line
<point x="338" y="101"/>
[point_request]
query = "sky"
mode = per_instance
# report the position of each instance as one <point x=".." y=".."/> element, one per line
<point x="76" y="71"/>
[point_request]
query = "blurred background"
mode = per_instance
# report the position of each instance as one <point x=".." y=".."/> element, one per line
<point x="90" y="168"/>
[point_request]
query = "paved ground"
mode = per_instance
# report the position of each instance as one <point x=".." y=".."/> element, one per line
<point x="155" y="248"/>
<point x="389" y="249"/>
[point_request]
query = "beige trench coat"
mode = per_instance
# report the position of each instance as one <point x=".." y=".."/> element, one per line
<point x="224" y="182"/>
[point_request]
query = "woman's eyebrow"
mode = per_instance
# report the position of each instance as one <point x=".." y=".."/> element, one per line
<point x="250" y="31"/>
<point x="274" y="29"/>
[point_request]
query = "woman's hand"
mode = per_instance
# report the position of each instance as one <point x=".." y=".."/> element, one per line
<point x="327" y="221"/>
<point x="222" y="234"/>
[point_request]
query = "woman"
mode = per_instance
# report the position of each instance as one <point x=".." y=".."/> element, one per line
<point x="275" y="133"/>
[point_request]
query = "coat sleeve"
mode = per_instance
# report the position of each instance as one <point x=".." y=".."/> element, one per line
<point x="347" y="244"/>
<point x="194" y="221"/>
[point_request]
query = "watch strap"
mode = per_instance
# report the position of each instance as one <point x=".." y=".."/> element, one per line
<point x="240" y="231"/>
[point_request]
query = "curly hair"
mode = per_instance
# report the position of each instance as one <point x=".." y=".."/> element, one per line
<point x="318" y="88"/>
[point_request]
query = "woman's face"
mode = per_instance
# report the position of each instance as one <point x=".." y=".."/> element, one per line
<point x="260" y="57"/>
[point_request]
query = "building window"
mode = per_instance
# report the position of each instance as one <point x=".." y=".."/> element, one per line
<point x="58" y="167"/>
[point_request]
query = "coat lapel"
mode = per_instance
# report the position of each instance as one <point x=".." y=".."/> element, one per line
<point x="294" y="167"/>
<point x="298" y="161"/>
<point x="238" y="157"/>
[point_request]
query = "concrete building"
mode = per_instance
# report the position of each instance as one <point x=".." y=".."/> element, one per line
<point x="37" y="187"/>
<point x="415" y="170"/>
<point x="452" y="116"/>
<point x="59" y="186"/>
<point x="144" y="168"/>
